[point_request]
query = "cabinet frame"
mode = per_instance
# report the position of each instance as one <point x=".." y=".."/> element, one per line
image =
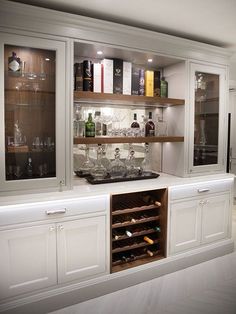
<point x="60" y="47"/>
<point x="222" y="134"/>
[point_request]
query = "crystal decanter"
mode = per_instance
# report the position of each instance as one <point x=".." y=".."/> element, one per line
<point x="99" y="172"/>
<point x="118" y="169"/>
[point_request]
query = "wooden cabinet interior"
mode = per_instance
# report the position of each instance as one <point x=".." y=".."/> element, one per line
<point x="138" y="228"/>
<point x="30" y="102"/>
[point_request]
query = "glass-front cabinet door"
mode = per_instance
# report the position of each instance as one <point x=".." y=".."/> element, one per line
<point x="208" y="114"/>
<point x="32" y="102"/>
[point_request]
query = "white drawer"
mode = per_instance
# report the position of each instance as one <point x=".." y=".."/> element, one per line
<point x="14" y="214"/>
<point x="199" y="189"/>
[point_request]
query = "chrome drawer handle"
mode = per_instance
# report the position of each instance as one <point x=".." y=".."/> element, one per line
<point x="203" y="190"/>
<point x="57" y="211"/>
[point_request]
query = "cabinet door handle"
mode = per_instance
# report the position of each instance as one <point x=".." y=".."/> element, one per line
<point x="60" y="227"/>
<point x="51" y="228"/>
<point x="57" y="211"/>
<point x="203" y="190"/>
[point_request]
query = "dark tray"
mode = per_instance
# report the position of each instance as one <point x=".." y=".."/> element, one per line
<point x="92" y="180"/>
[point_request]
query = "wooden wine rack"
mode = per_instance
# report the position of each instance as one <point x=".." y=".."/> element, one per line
<point x="135" y="216"/>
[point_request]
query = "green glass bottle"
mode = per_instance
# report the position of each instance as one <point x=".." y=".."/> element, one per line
<point x="90" y="127"/>
<point x="164" y="88"/>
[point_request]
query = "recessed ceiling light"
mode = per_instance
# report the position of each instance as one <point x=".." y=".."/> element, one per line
<point x="149" y="60"/>
<point x="47" y="59"/>
<point x="99" y="52"/>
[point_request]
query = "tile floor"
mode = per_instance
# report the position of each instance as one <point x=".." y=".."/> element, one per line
<point x="207" y="288"/>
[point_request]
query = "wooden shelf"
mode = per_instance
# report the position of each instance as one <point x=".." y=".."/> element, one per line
<point x="138" y="221"/>
<point x="118" y="139"/>
<point x="135" y="234"/>
<point x="134" y="209"/>
<point x="132" y="246"/>
<point x="102" y="98"/>
<point x="143" y="259"/>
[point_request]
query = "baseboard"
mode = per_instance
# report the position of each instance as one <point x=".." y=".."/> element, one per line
<point x="57" y="298"/>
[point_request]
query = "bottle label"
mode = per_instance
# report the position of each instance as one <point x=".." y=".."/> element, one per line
<point x="14" y="66"/>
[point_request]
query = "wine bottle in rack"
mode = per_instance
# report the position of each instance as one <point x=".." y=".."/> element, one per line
<point x="115" y="235"/>
<point x="158" y="229"/>
<point x="128" y="233"/>
<point x="148" y="240"/>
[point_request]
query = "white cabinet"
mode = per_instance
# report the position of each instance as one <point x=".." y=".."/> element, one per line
<point x="185" y="225"/>
<point x="207" y="120"/>
<point x="198" y="220"/>
<point x="40" y="256"/>
<point x="81" y="248"/>
<point x="215" y="218"/>
<point x="28" y="259"/>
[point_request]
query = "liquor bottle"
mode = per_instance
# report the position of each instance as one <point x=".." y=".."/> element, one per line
<point x="14" y="63"/>
<point x="150" y="126"/>
<point x="29" y="168"/>
<point x="157" y="83"/>
<point x="148" y="240"/>
<point x="164" y="87"/>
<point x="87" y="76"/>
<point x="90" y="127"/>
<point x="141" y="82"/>
<point x="135" y="124"/>
<point x="117" y="76"/>
<point x="78" y="80"/>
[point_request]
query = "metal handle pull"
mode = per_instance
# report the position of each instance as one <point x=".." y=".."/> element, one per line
<point x="203" y="190"/>
<point x="57" y="211"/>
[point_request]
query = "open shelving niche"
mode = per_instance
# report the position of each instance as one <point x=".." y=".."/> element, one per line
<point x="168" y="150"/>
<point x="133" y="217"/>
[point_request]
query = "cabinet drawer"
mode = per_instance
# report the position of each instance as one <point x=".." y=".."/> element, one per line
<point x="14" y="214"/>
<point x="199" y="189"/>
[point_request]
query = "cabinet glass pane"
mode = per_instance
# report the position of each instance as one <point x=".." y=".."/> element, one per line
<point x="206" y="120"/>
<point x="29" y="88"/>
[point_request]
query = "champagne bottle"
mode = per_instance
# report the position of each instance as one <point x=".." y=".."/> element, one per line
<point x="150" y="126"/>
<point x="90" y="127"/>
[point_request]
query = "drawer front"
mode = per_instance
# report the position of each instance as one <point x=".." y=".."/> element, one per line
<point x="14" y="214"/>
<point x="200" y="189"/>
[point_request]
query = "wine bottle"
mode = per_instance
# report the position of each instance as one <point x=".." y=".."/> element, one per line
<point x="128" y="233"/>
<point x="115" y="235"/>
<point x="90" y="127"/>
<point x="14" y="63"/>
<point x="148" y="240"/>
<point x="150" y="126"/>
<point x="135" y="124"/>
<point x="149" y="252"/>
<point x="158" y="229"/>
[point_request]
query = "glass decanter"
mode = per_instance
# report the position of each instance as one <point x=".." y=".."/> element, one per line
<point x="88" y="165"/>
<point x="132" y="169"/>
<point x="146" y="163"/>
<point x="104" y="160"/>
<point x="118" y="169"/>
<point x="99" y="172"/>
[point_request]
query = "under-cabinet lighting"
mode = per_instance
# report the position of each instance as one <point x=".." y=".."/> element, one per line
<point x="99" y="52"/>
<point x="149" y="60"/>
<point x="47" y="59"/>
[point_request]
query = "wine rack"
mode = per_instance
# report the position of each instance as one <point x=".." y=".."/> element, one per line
<point x="138" y="228"/>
